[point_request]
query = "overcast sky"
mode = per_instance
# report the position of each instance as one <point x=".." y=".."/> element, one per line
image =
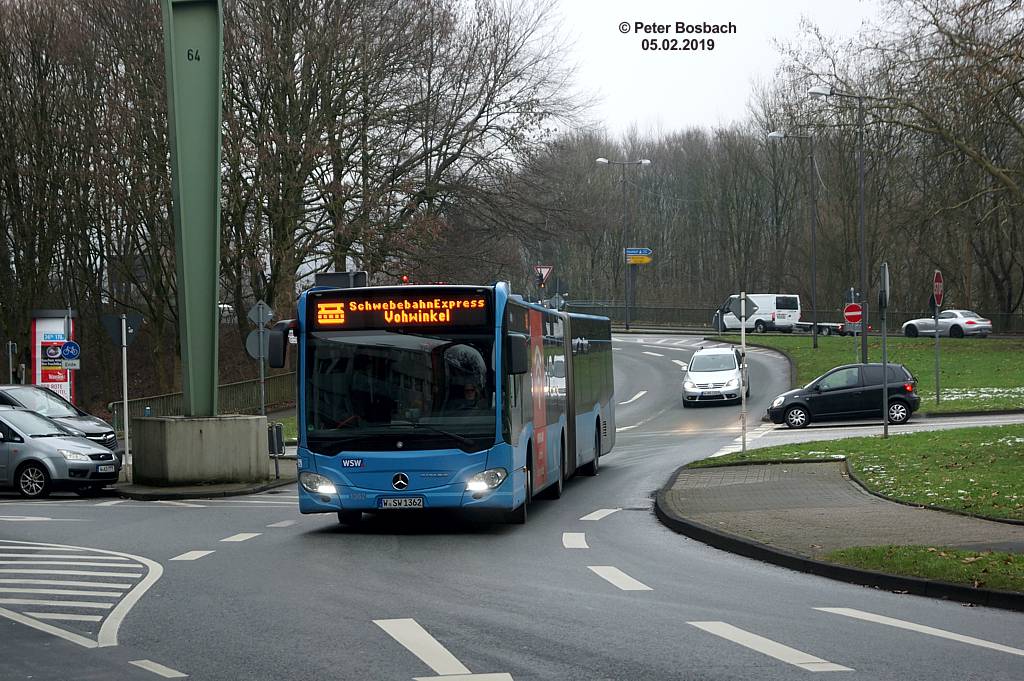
<point x="672" y="90"/>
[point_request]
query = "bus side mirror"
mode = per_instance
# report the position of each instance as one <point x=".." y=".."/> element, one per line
<point x="518" y="354"/>
<point x="277" y="343"/>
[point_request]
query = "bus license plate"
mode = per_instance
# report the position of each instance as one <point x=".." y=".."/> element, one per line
<point x="400" y="502"/>
<point x="105" y="469"/>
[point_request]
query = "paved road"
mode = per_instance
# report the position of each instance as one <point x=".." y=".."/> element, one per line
<point x="592" y="588"/>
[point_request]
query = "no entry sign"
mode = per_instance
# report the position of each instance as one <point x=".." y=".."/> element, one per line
<point x="937" y="288"/>
<point x="853" y="313"/>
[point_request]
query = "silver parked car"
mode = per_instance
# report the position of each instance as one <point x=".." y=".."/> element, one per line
<point x="955" y="323"/>
<point x="38" y="455"/>
<point x="714" y="375"/>
<point x="51" y="405"/>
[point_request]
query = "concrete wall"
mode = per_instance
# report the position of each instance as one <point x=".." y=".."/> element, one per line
<point x="179" y="450"/>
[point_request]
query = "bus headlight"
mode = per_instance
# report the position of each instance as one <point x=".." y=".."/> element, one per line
<point x="315" y="483"/>
<point x="485" y="480"/>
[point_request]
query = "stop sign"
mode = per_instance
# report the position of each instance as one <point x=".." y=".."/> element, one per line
<point x="852" y="313"/>
<point x="937" y="288"/>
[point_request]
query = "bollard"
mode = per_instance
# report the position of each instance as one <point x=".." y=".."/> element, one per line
<point x="275" y="443"/>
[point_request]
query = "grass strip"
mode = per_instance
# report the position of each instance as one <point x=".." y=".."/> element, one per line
<point x="989" y="569"/>
<point x="973" y="470"/>
<point x="977" y="374"/>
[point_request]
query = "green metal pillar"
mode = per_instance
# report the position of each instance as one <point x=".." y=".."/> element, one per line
<point x="193" y="50"/>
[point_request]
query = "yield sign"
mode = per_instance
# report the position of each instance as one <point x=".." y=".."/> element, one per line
<point x="853" y="313"/>
<point x="937" y="288"/>
<point x="544" y="271"/>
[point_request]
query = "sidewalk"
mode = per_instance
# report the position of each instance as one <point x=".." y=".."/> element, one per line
<point x="152" y="493"/>
<point x="793" y="514"/>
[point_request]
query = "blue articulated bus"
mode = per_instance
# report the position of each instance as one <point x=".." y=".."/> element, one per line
<point x="425" y="397"/>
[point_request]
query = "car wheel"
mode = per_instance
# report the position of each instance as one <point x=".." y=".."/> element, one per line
<point x="797" y="417"/>
<point x="956" y="332"/>
<point x="760" y="326"/>
<point x="33" y="481"/>
<point x="350" y="517"/>
<point x="910" y="331"/>
<point x="898" y="412"/>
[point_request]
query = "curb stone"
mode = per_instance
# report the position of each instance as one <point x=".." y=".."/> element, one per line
<point x="725" y="541"/>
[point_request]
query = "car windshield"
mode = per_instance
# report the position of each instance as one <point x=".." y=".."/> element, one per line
<point x="42" y="401"/>
<point x="434" y="391"/>
<point x="32" y="425"/>
<point x="717" y="362"/>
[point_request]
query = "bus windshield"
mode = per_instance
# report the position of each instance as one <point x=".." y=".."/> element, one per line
<point x="385" y="390"/>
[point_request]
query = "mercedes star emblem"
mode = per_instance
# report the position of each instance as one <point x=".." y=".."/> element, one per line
<point x="400" y="481"/>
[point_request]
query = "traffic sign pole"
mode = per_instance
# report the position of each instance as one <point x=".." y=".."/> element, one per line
<point x="743" y="358"/>
<point x="263" y="363"/>
<point x="883" y="305"/>
<point x="124" y="394"/>
<point x="937" y="295"/>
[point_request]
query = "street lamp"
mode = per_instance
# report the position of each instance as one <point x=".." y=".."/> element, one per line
<point x="625" y="232"/>
<point x="829" y="91"/>
<point x="779" y="135"/>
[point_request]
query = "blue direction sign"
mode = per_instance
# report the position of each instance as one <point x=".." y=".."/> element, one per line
<point x="70" y="350"/>
<point x="639" y="251"/>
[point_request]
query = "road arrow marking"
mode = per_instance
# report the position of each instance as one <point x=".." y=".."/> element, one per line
<point x="768" y="647"/>
<point x="920" y="628"/>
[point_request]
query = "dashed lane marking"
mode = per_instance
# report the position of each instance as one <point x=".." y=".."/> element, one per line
<point x="682" y="365"/>
<point x="634" y="398"/>
<point x="737" y="444"/>
<point x="600" y="513"/>
<point x="622" y="428"/>
<point x="923" y="629"/>
<point x="242" y="536"/>
<point x="180" y="504"/>
<point x="82" y="625"/>
<point x="768" y="647"/>
<point x="114" y="502"/>
<point x="574" y="540"/>
<point x="283" y="523"/>
<point x="266" y="502"/>
<point x="618" y="578"/>
<point x="653" y="354"/>
<point x="158" y="669"/>
<point x="417" y="641"/>
<point x="192" y="555"/>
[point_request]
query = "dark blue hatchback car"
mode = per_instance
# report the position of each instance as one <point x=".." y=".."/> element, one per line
<point x="850" y="391"/>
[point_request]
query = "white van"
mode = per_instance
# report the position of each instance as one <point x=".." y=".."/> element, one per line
<point x="775" y="312"/>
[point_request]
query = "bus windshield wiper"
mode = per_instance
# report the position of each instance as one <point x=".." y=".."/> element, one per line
<point x="465" y="444"/>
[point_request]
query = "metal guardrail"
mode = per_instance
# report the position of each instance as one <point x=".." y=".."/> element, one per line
<point x="242" y="397"/>
<point x="700" y="317"/>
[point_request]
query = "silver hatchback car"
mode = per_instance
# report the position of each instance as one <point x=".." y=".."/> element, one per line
<point x="38" y="455"/>
<point x="714" y="375"/>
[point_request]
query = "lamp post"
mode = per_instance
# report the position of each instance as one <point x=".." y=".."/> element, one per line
<point x="829" y="91"/>
<point x="626" y="236"/>
<point x="813" y="195"/>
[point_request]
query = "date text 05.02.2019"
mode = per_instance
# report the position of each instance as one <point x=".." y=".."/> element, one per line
<point x="677" y="44"/>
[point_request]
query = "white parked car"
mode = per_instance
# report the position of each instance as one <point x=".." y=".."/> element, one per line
<point x="775" y="312"/>
<point x="955" y="323"/>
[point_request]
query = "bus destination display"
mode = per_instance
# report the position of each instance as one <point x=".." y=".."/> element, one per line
<point x="393" y="310"/>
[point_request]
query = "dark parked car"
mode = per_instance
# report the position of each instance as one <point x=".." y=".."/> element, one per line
<point x="850" y="391"/>
<point x="53" y="406"/>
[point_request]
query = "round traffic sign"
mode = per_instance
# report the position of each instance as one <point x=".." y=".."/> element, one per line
<point x="937" y="288"/>
<point x="70" y="350"/>
<point x="853" y="313"/>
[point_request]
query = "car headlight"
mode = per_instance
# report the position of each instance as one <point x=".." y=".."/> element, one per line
<point x="777" y="402"/>
<point x="689" y="385"/>
<point x="732" y="383"/>
<point x="485" y="480"/>
<point x="73" y="456"/>
<point x="316" y="483"/>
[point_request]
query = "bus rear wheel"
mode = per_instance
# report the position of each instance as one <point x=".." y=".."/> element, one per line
<point x="592" y="467"/>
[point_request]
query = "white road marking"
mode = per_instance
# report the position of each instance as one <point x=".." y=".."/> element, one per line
<point x="682" y="365"/>
<point x="39" y="548"/>
<point x="62" y="592"/>
<point x="57" y="582"/>
<point x="56" y="604"/>
<point x="466" y="677"/>
<point x="424" y="646"/>
<point x="242" y="536"/>
<point x="79" y="563"/>
<point x="76" y="573"/>
<point x="634" y="398"/>
<point x="180" y="503"/>
<point x="766" y="646"/>
<point x="192" y="555"/>
<point x="158" y="669"/>
<point x="69" y="617"/>
<point x="574" y="540"/>
<point x="653" y="354"/>
<point x="283" y="523"/>
<point x="271" y="502"/>
<point x="600" y="513"/>
<point x="57" y="556"/>
<point x="619" y="430"/>
<point x="931" y="631"/>
<point x="619" y="578"/>
<point x="115" y="502"/>
<point x="38" y="518"/>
